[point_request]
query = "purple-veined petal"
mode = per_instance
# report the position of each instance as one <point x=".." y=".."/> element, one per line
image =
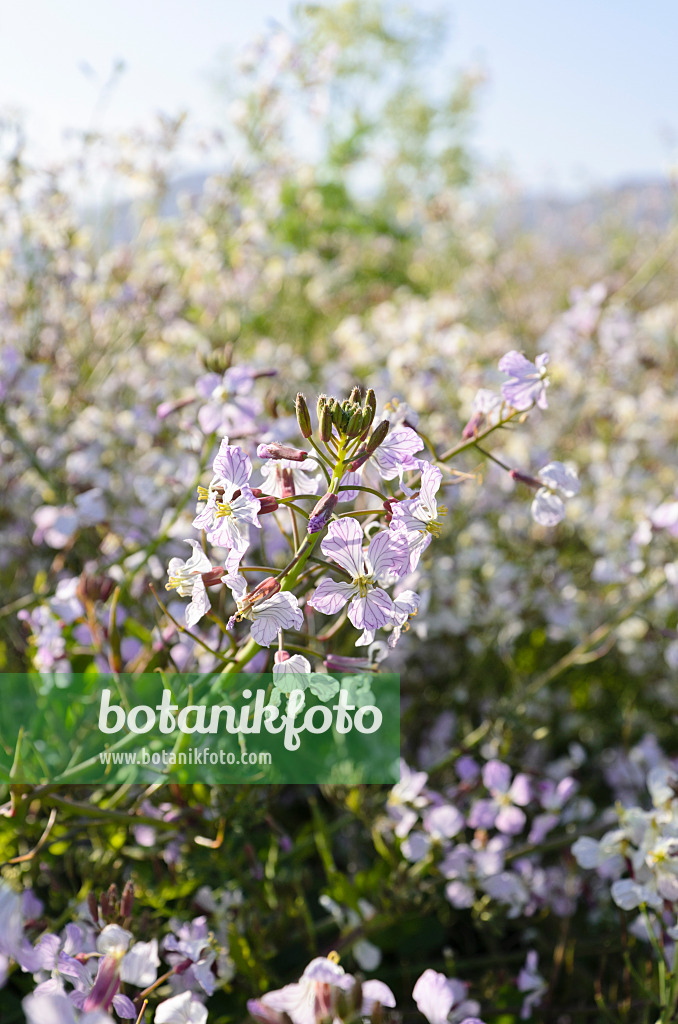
<point x="388" y="556"/>
<point x="329" y="596"/>
<point x="372" y="611"/>
<point x="344" y="544"/>
<point x="232" y="465"/>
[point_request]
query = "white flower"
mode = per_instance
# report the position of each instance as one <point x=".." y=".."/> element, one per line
<point x="629" y="895"/>
<point x="419" y="517"/>
<point x="181" y="1009"/>
<point x="230" y="506"/>
<point x="548" y="508"/>
<point x="186" y="578"/>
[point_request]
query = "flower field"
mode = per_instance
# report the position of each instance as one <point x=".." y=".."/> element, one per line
<point x="320" y="416"/>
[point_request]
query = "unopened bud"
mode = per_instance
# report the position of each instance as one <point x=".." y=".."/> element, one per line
<point x="127" y="901"/>
<point x="268" y="503"/>
<point x="355" y="424"/>
<point x="281" y="451"/>
<point x="370" y="446"/>
<point x="95" y="588"/>
<point x="338" y="415"/>
<point x="280" y="656"/>
<point x="355" y="395"/>
<point x="105" y="906"/>
<point x="325" y="428"/>
<point x="93" y="907"/>
<point x="321" y="514"/>
<point x="377" y="436"/>
<point x="322" y="402"/>
<point x="303" y="416"/>
<point x="371" y="401"/>
<point x="368" y="416"/>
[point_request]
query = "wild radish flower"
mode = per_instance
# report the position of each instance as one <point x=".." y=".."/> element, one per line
<point x="419" y="517"/>
<point x="396" y="453"/>
<point x="186" y="577"/>
<point x="228" y="407"/>
<point x="503" y="809"/>
<point x="230" y="506"/>
<point x="267" y="615"/>
<point x="312" y="998"/>
<point x="528" y="383"/>
<point x="283" y="478"/>
<point x="55" y="1008"/>
<point x="190" y="943"/>
<point x="383" y="563"/>
<point x="531" y="982"/>
<point x="442" y="999"/>
<point x="181" y="1009"/>
<point x="548" y="508"/>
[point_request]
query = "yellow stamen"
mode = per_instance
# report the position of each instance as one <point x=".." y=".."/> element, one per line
<point x="223" y="509"/>
<point x="203" y="493"/>
<point x="334" y="957"/>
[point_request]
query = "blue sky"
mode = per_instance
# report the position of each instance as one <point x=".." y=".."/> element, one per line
<point x="579" y="92"/>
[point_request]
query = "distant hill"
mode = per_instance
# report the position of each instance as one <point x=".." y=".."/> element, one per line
<point x="563" y="221"/>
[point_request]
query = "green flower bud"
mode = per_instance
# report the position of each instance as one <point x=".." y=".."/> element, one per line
<point x="368" y="416"/>
<point x="355" y="395"/>
<point x="325" y="424"/>
<point x="355" y="424"/>
<point x="303" y="416"/>
<point x="378" y="435"/>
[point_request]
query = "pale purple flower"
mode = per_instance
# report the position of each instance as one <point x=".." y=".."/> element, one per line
<point x="383" y="562"/>
<point x="419" y="517"/>
<point x="396" y="453"/>
<point x="191" y="942"/>
<point x="443" y="822"/>
<point x="531" y="982"/>
<point x="507" y="797"/>
<point x="404" y="796"/>
<point x="548" y="507"/>
<point x="181" y="1009"/>
<point x="228" y="408"/>
<point x="552" y="798"/>
<point x="186" y="578"/>
<point x="441" y="999"/>
<point x="281" y="611"/>
<point x="55" y="1008"/>
<point x="528" y="383"/>
<point x="665" y="517"/>
<point x="309" y="999"/>
<point x="230" y="507"/>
